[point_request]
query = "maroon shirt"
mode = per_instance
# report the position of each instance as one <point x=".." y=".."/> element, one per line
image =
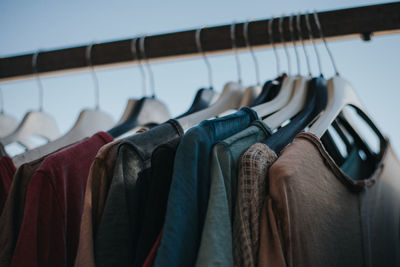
<point x="49" y="232"/>
<point x="7" y="170"/>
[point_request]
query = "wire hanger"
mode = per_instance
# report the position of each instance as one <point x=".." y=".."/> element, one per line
<point x="147" y="110"/>
<point x="88" y="123"/>
<point x="229" y="99"/>
<point x="204" y="96"/>
<point x="286" y="90"/>
<point x="251" y="92"/>
<point x="34" y="123"/>
<point x="7" y="122"/>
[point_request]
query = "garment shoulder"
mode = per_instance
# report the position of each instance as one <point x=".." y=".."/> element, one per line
<point x="259" y="153"/>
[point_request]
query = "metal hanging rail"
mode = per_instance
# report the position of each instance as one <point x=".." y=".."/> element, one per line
<point x="356" y="22"/>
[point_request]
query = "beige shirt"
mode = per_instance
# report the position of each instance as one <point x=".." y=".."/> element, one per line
<point x="315" y="215"/>
<point x="99" y="180"/>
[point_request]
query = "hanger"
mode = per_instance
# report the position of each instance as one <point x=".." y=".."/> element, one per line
<point x="204" y="96"/>
<point x="34" y="123"/>
<point x="340" y="95"/>
<point x="271" y="88"/>
<point x="298" y="100"/>
<point x="88" y="123"/>
<point x="7" y="123"/>
<point x="147" y="110"/>
<point x="314" y="104"/>
<point x="286" y="89"/>
<point x="229" y="99"/>
<point x="203" y="99"/>
<point x="251" y="92"/>
<point x="132" y="102"/>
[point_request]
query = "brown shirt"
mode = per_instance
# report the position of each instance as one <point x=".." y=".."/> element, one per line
<point x="252" y="187"/>
<point x="99" y="180"/>
<point x="315" y="215"/>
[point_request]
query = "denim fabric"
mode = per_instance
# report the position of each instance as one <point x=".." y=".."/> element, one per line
<point x="115" y="243"/>
<point x="189" y="194"/>
<point x="216" y="239"/>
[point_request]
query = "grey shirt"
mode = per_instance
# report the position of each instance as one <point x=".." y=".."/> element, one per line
<point x="114" y="243"/>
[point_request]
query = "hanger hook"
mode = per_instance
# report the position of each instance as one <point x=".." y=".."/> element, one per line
<point x="284" y="44"/>
<point x="233" y="39"/>
<point x="325" y="43"/>
<point x="94" y="75"/>
<point x="200" y="49"/>
<point x="300" y="34"/>
<point x="247" y="41"/>
<point x="38" y="80"/>
<point x="135" y="57"/>
<point x="146" y="60"/>
<point x="271" y="38"/>
<point x="294" y="44"/>
<point x="310" y="35"/>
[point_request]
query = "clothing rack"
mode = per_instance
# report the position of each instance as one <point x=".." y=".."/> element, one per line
<point x="361" y="22"/>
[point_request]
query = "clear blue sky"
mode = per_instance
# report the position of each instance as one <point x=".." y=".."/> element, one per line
<point x="25" y="26"/>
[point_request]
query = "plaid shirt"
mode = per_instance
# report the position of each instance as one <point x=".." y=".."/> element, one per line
<point x="251" y="193"/>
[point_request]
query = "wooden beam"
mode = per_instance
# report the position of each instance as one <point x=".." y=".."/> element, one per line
<point x="362" y="22"/>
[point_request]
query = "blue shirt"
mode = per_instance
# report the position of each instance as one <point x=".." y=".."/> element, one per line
<point x="189" y="194"/>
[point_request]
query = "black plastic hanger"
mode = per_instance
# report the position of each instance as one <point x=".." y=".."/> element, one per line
<point x="331" y="147"/>
<point x="269" y="91"/>
<point x="203" y="99"/>
<point x="316" y="102"/>
<point x="147" y="110"/>
<point x="357" y="138"/>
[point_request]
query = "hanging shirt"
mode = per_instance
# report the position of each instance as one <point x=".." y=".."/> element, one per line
<point x="315" y="215"/>
<point x="252" y="189"/>
<point x="98" y="183"/>
<point x="49" y="232"/>
<point x="189" y="194"/>
<point x="7" y="170"/>
<point x="216" y="239"/>
<point x="13" y="214"/>
<point x="115" y="242"/>
<point x="155" y="205"/>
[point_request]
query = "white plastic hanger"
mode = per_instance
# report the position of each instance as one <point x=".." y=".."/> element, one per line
<point x="340" y="94"/>
<point x="34" y="123"/>
<point x="298" y="99"/>
<point x="229" y="99"/>
<point x="286" y="90"/>
<point x="88" y="123"/>
<point x="7" y="122"/>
